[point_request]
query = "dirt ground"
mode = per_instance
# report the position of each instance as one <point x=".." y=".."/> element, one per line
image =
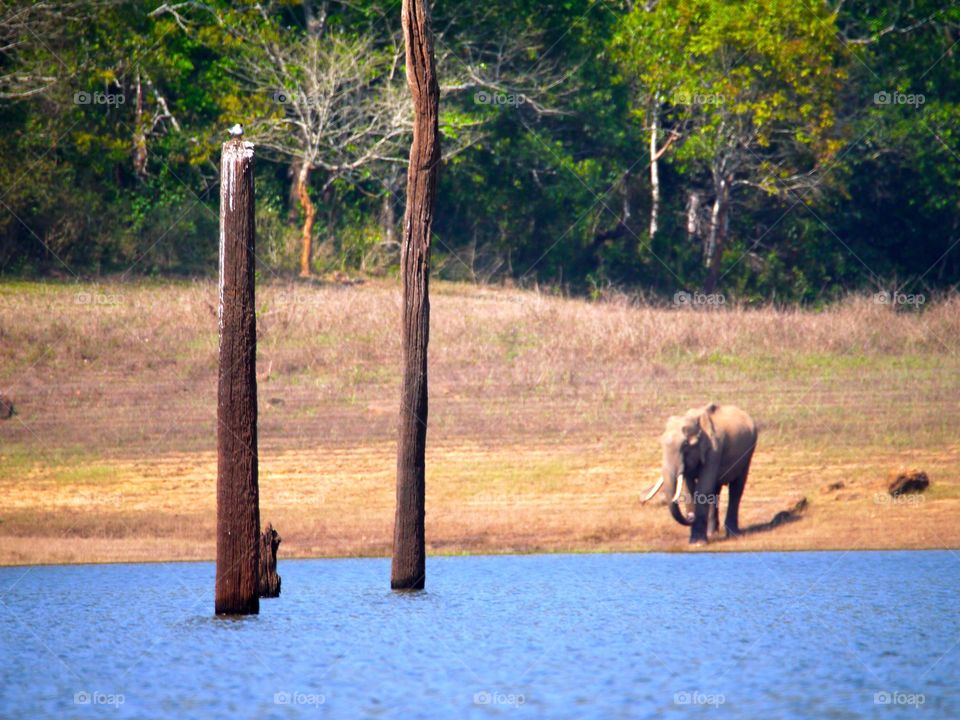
<point x="545" y="414"/>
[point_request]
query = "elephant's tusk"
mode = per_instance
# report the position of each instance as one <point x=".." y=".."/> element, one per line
<point x="676" y="495"/>
<point x="653" y="491"/>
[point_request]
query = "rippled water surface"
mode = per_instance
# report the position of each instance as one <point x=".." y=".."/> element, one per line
<point x="827" y="635"/>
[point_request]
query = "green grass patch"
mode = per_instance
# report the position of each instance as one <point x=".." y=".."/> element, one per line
<point x="820" y="364"/>
<point x="489" y="481"/>
<point x="17" y="461"/>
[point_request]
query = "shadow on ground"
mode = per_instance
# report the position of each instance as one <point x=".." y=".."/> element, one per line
<point x="784" y="517"/>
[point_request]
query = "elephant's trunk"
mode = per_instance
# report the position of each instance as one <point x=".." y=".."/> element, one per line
<point x="685" y="520"/>
<point x="678" y="515"/>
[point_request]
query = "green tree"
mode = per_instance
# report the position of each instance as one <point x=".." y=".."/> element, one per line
<point x="748" y="91"/>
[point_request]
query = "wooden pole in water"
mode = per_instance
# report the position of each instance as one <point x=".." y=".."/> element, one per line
<point x="238" y="501"/>
<point x="409" y="553"/>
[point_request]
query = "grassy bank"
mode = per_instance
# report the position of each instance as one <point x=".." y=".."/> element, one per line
<point x="545" y="414"/>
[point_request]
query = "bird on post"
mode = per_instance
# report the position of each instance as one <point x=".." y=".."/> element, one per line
<point x="236" y="130"/>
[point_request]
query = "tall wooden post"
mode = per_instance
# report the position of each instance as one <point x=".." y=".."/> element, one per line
<point x="409" y="552"/>
<point x="238" y="501"/>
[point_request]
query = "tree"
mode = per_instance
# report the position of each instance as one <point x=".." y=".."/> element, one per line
<point x="409" y="547"/>
<point x="25" y="69"/>
<point x="747" y="87"/>
<point x="341" y="112"/>
<point x="326" y="100"/>
<point x="899" y="211"/>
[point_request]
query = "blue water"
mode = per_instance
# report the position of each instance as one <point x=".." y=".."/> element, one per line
<point x="759" y="635"/>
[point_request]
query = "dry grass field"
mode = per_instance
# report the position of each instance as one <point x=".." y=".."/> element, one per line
<point x="544" y="419"/>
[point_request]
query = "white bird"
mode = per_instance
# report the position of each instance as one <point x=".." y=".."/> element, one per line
<point x="237" y="130"/>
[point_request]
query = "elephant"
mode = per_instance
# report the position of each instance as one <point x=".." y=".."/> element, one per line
<point x="704" y="450"/>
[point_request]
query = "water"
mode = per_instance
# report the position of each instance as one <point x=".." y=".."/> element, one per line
<point x="754" y="635"/>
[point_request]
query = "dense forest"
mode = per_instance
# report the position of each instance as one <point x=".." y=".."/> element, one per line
<point x="785" y="150"/>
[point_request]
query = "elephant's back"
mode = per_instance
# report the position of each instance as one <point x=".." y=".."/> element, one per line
<point x="735" y="421"/>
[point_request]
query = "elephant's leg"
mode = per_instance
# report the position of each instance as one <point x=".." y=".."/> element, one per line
<point x="701" y="511"/>
<point x="733" y="505"/>
<point x="713" y="520"/>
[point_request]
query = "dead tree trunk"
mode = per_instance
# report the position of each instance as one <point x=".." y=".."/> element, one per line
<point x="269" y="580"/>
<point x="409" y="552"/>
<point x="238" y="509"/>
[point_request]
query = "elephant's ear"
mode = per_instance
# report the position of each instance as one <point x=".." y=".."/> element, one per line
<point x="708" y="434"/>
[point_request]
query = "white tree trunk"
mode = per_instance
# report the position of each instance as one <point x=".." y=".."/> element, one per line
<point x="717" y="238"/>
<point x="654" y="170"/>
<point x="693" y="215"/>
<point x="712" y="234"/>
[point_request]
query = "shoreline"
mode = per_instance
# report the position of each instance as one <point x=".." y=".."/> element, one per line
<point x="335" y="558"/>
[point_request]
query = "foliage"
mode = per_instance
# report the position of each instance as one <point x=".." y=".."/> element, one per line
<point x="834" y="129"/>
